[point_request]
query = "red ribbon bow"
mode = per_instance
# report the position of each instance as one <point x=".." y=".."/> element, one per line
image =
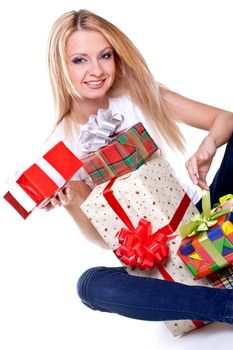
<point x="139" y="247"/>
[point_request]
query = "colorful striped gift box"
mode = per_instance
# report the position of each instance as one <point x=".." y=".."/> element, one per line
<point x="211" y="250"/>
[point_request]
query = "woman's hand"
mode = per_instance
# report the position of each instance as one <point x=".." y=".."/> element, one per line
<point x="63" y="197"/>
<point x="199" y="164"/>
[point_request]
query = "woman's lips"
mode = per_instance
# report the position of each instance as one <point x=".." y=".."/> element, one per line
<point x="95" y="84"/>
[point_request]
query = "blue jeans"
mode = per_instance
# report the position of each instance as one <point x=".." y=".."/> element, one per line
<point x="114" y="290"/>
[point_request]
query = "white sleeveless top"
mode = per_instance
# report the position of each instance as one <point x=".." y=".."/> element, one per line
<point x="132" y="115"/>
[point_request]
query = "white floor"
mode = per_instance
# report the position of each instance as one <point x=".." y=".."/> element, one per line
<point x="40" y="261"/>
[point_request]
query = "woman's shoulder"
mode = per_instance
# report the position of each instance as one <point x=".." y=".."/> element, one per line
<point x="56" y="135"/>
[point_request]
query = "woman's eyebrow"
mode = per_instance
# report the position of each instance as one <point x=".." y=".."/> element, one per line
<point x="108" y="47"/>
<point x="86" y="55"/>
<point x="78" y="54"/>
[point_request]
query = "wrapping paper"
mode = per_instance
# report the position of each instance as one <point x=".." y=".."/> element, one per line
<point x="153" y="193"/>
<point x="208" y="243"/>
<point x="223" y="278"/>
<point x="211" y="250"/>
<point x="126" y="152"/>
<point x="36" y="184"/>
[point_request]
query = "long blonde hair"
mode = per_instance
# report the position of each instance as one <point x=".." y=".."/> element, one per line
<point x="133" y="77"/>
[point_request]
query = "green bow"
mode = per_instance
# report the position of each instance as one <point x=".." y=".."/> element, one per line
<point x="208" y="218"/>
<point x="225" y="198"/>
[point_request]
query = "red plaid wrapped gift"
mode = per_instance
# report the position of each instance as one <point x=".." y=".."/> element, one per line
<point x="222" y="278"/>
<point x="126" y="152"/>
<point x="41" y="180"/>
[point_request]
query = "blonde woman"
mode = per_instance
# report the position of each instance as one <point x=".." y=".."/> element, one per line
<point x="94" y="67"/>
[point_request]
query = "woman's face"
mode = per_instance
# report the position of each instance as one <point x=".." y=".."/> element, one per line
<point x="91" y="63"/>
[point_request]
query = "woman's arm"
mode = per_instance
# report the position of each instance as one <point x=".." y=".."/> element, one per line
<point x="218" y="123"/>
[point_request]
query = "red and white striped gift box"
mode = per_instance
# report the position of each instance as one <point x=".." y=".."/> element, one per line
<point x="35" y="186"/>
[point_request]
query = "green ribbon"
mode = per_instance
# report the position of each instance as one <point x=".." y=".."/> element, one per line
<point x="225" y="198"/>
<point x="209" y="247"/>
<point x="203" y="221"/>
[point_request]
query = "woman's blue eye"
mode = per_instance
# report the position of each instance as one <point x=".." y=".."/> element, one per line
<point x="78" y="60"/>
<point x="106" y="55"/>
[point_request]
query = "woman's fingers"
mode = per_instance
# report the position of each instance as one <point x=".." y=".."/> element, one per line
<point x="203" y="185"/>
<point x="202" y="180"/>
<point x="62" y="197"/>
<point x="55" y="202"/>
<point x="192" y="168"/>
<point x="197" y="167"/>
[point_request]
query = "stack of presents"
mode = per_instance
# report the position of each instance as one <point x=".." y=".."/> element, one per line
<point x="140" y="210"/>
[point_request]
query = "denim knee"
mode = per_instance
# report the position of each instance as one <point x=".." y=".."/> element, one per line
<point x="229" y="310"/>
<point x="83" y="285"/>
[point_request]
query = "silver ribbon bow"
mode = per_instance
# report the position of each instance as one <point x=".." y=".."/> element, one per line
<point x="99" y="130"/>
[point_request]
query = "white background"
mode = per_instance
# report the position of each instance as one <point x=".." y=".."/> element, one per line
<point x="188" y="45"/>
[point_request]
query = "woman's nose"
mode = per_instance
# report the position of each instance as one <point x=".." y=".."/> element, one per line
<point x="96" y="68"/>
